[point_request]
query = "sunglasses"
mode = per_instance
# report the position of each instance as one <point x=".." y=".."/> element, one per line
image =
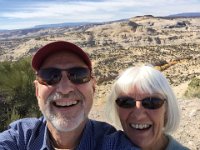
<point x="148" y="102"/>
<point x="52" y="76"/>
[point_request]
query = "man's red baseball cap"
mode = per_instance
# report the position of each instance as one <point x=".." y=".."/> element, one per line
<point x="55" y="47"/>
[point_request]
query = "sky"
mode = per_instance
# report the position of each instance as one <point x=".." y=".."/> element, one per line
<point x="18" y="14"/>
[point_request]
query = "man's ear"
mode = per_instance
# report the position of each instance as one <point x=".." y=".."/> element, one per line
<point x="36" y="87"/>
<point x="94" y="82"/>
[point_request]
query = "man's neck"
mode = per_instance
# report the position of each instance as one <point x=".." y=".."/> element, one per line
<point x="66" y="140"/>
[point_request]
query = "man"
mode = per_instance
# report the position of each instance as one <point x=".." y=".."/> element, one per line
<point x="64" y="88"/>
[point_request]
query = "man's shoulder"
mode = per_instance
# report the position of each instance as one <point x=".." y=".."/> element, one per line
<point x="22" y="131"/>
<point x="23" y="127"/>
<point x="97" y="123"/>
<point x="98" y="129"/>
<point x="104" y="127"/>
<point x="94" y="134"/>
<point x="27" y="123"/>
<point x="118" y="137"/>
<point x="118" y="140"/>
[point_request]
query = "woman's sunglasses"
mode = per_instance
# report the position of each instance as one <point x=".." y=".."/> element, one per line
<point x="52" y="76"/>
<point x="148" y="102"/>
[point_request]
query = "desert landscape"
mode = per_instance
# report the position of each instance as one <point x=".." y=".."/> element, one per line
<point x="172" y="45"/>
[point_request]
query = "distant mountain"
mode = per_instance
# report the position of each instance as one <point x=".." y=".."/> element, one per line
<point x="55" y="28"/>
<point x="71" y="24"/>
<point x="75" y="24"/>
<point x="41" y="30"/>
<point x="188" y="15"/>
<point x="3" y="30"/>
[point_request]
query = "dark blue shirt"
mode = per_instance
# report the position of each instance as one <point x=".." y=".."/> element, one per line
<point x="32" y="134"/>
<point x="118" y="141"/>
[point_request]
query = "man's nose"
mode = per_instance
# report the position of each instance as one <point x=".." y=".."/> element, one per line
<point x="65" y="85"/>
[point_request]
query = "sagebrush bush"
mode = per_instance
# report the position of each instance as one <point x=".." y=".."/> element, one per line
<point x="193" y="89"/>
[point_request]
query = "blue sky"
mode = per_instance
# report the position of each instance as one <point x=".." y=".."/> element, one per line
<point x="16" y="14"/>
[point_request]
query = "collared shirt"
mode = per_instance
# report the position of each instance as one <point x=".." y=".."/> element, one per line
<point x="32" y="134"/>
<point x="118" y="141"/>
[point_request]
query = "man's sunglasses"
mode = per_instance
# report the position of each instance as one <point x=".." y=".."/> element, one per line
<point x="148" y="102"/>
<point x="52" y="76"/>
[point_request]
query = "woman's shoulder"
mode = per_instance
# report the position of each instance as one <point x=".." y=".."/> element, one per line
<point x="174" y="144"/>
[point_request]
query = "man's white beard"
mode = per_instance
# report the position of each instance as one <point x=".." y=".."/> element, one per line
<point x="62" y="123"/>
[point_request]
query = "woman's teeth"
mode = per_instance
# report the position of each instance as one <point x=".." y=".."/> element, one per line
<point x="140" y="126"/>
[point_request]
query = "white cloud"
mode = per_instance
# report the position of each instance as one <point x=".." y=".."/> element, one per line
<point x="70" y="9"/>
<point x="78" y="11"/>
<point x="50" y="9"/>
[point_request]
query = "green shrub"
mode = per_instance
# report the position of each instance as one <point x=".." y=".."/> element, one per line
<point x="17" y="92"/>
<point x="193" y="89"/>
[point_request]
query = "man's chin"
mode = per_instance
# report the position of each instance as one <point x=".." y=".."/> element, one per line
<point x="65" y="124"/>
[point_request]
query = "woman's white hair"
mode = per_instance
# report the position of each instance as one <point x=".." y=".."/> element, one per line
<point x="148" y="80"/>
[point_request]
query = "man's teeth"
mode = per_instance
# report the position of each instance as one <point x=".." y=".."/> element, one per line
<point x="140" y="126"/>
<point x="68" y="103"/>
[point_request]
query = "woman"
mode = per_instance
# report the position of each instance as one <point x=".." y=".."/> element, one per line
<point x="144" y="105"/>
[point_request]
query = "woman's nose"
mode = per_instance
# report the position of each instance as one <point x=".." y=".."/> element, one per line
<point x="138" y="111"/>
<point x="138" y="104"/>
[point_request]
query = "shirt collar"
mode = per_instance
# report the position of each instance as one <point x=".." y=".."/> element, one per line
<point x="86" y="142"/>
<point x="46" y="142"/>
